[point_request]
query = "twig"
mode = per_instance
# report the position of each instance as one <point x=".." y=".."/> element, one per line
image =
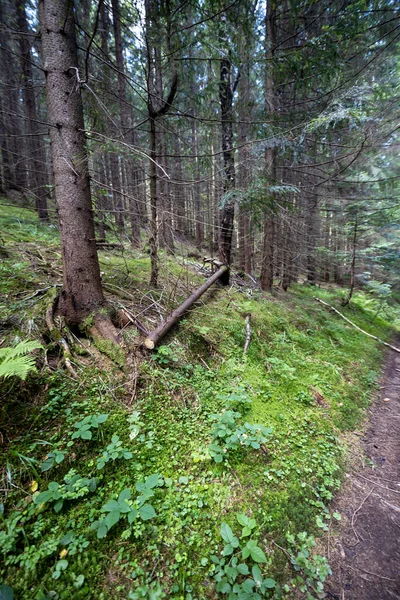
<point x="356" y="326"/>
<point x="353" y="518"/>
<point x="248" y="333"/>
<point x="375" y="483"/>
<point x="369" y="573"/>
<point x="134" y="321"/>
<point x="41" y="291"/>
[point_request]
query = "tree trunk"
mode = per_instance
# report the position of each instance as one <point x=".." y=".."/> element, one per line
<point x="131" y="170"/>
<point x="228" y="211"/>
<point x="154" y="337"/>
<point x="82" y="291"/>
<point x="267" y="263"/>
<point x="353" y="261"/>
<point x="37" y="155"/>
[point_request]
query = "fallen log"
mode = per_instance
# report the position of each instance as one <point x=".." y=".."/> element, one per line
<point x="155" y="336"/>
<point x="356" y="326"/>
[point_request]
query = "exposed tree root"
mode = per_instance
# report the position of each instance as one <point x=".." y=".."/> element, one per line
<point x="57" y="337"/>
<point x="104" y="328"/>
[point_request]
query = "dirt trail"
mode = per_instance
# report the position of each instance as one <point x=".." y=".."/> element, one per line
<point x="366" y="557"/>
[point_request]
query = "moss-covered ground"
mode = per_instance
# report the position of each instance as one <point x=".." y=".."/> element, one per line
<point x="307" y="376"/>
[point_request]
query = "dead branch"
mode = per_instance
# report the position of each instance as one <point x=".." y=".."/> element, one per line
<point x="123" y="312"/>
<point x="61" y="341"/>
<point x="109" y="245"/>
<point x="356" y="326"/>
<point x="154" y="337"/>
<point x="248" y="334"/>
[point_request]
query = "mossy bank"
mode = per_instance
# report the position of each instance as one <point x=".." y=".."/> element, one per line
<point x="209" y="472"/>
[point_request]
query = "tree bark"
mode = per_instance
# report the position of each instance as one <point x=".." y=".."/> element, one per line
<point x="37" y="155"/>
<point x="227" y="213"/>
<point x="267" y="264"/>
<point x="131" y="169"/>
<point x="82" y="291"/>
<point x="154" y="337"/>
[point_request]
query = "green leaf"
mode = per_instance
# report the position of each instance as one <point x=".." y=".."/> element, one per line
<point x="231" y="573"/>
<point x="228" y="550"/>
<point x="86" y="435"/>
<point x="226" y="533"/>
<point x="6" y="592"/>
<point x="269" y="583"/>
<point x="58" y="506"/>
<point x="337" y="516"/>
<point x="59" y="457"/>
<point x="124" y="495"/>
<point x="132" y="516"/>
<point x="79" y="581"/>
<point x="153" y="481"/>
<point x="223" y="587"/>
<point x="258" y="555"/>
<point x="102" y="530"/>
<point x="124" y="507"/>
<point x="257" y="575"/>
<point x="248" y="585"/>
<point x="111" y="505"/>
<point x="243" y="569"/>
<point x="246" y="521"/>
<point x="147" y="512"/>
<point x="112" y="518"/>
<point x="47" y="464"/>
<point x="101" y="418"/>
<point x="43" y="497"/>
<point x="61" y="565"/>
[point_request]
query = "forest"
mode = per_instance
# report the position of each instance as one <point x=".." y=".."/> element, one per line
<point x="199" y="290"/>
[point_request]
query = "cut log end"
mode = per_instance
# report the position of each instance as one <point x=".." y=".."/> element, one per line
<point x="149" y="344"/>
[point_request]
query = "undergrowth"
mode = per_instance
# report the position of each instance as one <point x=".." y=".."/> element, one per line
<point x="213" y="476"/>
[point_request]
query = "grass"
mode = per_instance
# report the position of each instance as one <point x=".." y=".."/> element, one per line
<point x="307" y="374"/>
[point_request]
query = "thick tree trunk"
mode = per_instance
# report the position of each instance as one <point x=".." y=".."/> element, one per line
<point x="82" y="291"/>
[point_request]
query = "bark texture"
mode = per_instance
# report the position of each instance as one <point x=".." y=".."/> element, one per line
<point x="82" y="291"/>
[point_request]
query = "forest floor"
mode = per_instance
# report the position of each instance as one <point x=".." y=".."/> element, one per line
<point x="366" y="554"/>
<point x="194" y="472"/>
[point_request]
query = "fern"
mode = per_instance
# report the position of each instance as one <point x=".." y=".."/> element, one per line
<point x="15" y="363"/>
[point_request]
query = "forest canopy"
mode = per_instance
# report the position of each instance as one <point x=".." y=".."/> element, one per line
<point x="264" y="133"/>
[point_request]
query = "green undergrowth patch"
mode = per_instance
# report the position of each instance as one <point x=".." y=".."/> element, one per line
<point x="213" y="476"/>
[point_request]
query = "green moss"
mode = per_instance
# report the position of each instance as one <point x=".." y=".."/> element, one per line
<point x="111" y="350"/>
<point x="309" y="375"/>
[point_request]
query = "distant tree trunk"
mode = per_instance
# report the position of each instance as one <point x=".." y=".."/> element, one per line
<point x="227" y="213"/>
<point x="131" y="169"/>
<point x="37" y="154"/>
<point x="82" y="291"/>
<point x="179" y="191"/>
<point x="13" y="142"/>
<point x="243" y="171"/>
<point x="157" y="107"/>
<point x="353" y="261"/>
<point x="267" y="261"/>
<point x="199" y="226"/>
